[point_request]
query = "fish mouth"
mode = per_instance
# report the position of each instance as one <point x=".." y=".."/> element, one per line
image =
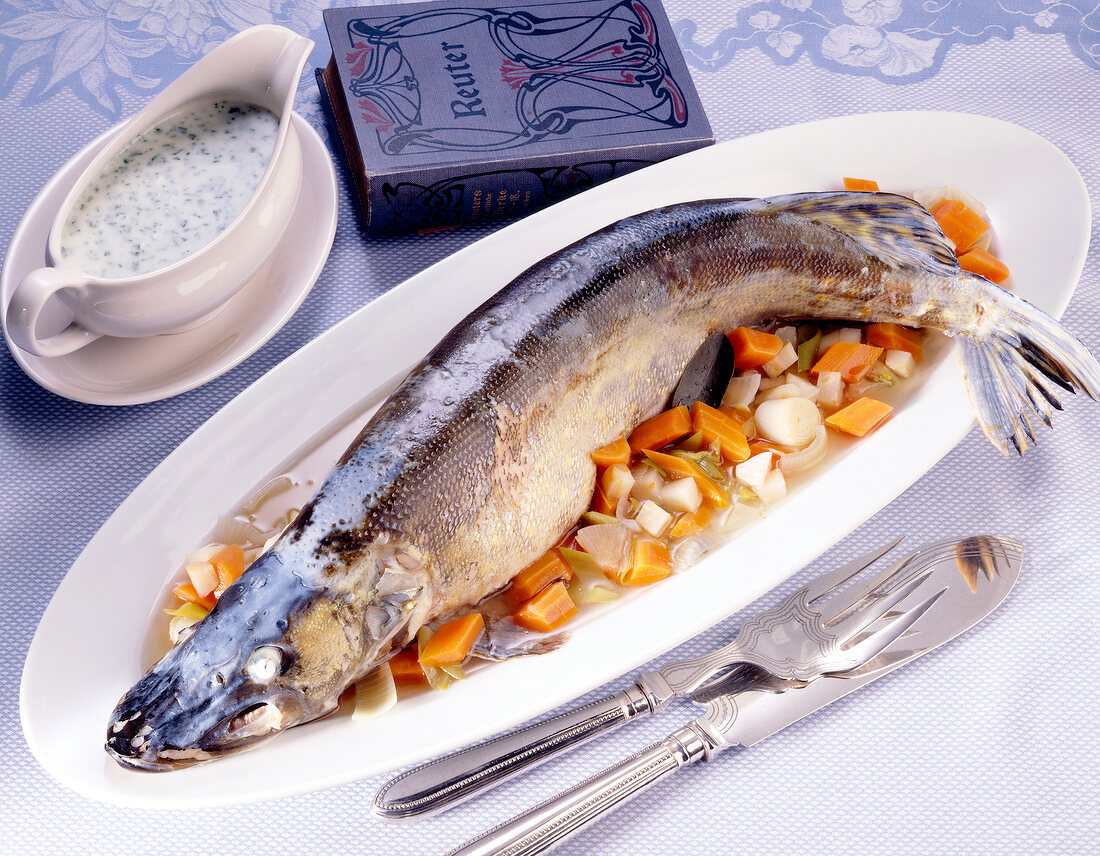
<point x="135" y="743"/>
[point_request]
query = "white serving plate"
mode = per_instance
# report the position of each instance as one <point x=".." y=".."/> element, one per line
<point x="89" y="645"/>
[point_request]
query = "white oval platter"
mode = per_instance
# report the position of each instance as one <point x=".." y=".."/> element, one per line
<point x="89" y="645"/>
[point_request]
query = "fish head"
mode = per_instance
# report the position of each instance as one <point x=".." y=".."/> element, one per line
<point x="273" y="653"/>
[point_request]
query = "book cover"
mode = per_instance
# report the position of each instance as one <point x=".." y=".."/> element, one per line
<point x="451" y="112"/>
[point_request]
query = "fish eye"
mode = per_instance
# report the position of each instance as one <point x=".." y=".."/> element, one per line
<point x="264" y="663"/>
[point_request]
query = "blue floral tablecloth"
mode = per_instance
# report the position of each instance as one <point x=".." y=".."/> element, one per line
<point x="987" y="747"/>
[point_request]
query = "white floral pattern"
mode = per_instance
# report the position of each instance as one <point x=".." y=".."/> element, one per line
<point x="99" y="48"/>
<point x="897" y="41"/>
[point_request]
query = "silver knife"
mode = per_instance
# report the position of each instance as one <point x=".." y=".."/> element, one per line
<point x="450" y="779"/>
<point x="976" y="577"/>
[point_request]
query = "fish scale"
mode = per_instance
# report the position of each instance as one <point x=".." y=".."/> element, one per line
<point x="479" y="461"/>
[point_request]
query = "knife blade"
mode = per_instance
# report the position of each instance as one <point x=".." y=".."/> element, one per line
<point x="983" y="572"/>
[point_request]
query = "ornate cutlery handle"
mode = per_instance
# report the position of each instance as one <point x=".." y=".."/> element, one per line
<point x="449" y="780"/>
<point x="547" y="825"/>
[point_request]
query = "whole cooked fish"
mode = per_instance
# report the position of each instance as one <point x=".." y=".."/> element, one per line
<point x="480" y="460"/>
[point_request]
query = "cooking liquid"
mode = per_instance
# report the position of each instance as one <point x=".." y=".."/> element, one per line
<point x="171" y="192"/>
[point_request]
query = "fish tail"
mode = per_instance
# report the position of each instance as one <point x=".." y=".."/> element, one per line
<point x="1015" y="371"/>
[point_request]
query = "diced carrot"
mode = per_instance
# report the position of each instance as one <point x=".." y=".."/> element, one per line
<point x="228" y="563"/>
<point x="960" y="223"/>
<point x="406" y="669"/>
<point x="758" y="446"/>
<point x="753" y="348"/>
<point x="547" y="568"/>
<point x="690" y="522"/>
<point x="601" y="502"/>
<point x="649" y="562"/>
<point x="613" y="453"/>
<point x="851" y="359"/>
<point x="716" y="426"/>
<point x="983" y="263"/>
<point x="859" y="417"/>
<point x="894" y="337"/>
<point x="683" y="468"/>
<point x="547" y="610"/>
<point x="187" y="593"/>
<point x="860" y="184"/>
<point x="660" y="430"/>
<point x="452" y="642"/>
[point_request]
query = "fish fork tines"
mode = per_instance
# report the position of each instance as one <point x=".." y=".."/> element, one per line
<point x="825" y="627"/>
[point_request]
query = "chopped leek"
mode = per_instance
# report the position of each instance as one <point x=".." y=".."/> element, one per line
<point x="188" y="610"/>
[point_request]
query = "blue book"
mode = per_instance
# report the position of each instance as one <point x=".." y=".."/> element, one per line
<point x="454" y="112"/>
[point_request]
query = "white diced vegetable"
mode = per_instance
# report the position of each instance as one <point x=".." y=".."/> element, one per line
<point x="773" y="488"/>
<point x="900" y="363"/>
<point x="809" y="389"/>
<point x="844" y="334"/>
<point x="681" y="495"/>
<point x="203" y="577"/>
<point x="647" y="483"/>
<point x="789" y="335"/>
<point x="830" y="389"/>
<point x="619" y="480"/>
<point x="737" y="516"/>
<point x="782" y="361"/>
<point x="742" y="390"/>
<point x="788" y="421"/>
<point x="784" y="390"/>
<point x="752" y="472"/>
<point x="652" y="518"/>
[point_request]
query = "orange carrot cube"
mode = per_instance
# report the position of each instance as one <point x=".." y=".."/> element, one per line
<point x="894" y="337"/>
<point x="649" y="562"/>
<point x="613" y="453"/>
<point x="860" y="184"/>
<point x="547" y="610"/>
<point x="983" y="263"/>
<point x="851" y="359"/>
<point x="753" y="348"/>
<point x="859" y="417"/>
<point x="660" y="430"/>
<point x="547" y="568"/>
<point x="406" y="669"/>
<point x="453" y="641"/>
<point x="716" y="426"/>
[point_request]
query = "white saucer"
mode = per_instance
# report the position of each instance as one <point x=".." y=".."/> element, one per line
<point x="134" y="371"/>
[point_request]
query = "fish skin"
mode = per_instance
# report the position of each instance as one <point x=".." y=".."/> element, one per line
<point x="479" y="460"/>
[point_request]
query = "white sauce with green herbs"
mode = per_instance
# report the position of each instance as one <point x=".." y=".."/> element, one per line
<point x="175" y="189"/>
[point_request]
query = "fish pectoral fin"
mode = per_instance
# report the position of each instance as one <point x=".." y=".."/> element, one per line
<point x="892" y="228"/>
<point x="505" y="640"/>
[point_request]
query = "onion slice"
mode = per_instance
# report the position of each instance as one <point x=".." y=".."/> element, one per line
<point x="793" y="462"/>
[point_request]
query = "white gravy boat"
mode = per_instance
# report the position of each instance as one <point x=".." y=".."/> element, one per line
<point x="260" y="66"/>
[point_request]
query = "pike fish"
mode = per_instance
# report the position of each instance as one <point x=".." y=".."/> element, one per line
<point x="479" y="461"/>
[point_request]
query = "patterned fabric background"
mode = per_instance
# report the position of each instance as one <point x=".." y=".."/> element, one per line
<point x="986" y="747"/>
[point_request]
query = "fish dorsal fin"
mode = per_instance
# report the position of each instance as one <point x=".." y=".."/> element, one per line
<point x="893" y="228"/>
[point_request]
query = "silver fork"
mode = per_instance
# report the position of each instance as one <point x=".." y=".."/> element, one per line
<point x="808" y="635"/>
